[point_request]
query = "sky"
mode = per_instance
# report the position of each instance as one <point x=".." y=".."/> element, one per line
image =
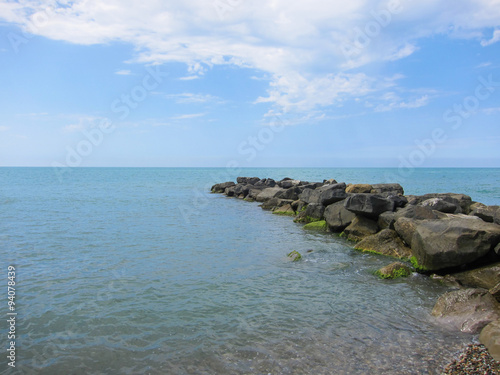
<point x="226" y="83"/>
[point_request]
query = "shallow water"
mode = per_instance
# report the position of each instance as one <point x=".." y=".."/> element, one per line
<point x="140" y="271"/>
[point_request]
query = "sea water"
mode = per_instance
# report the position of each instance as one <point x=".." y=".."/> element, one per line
<point x="142" y="271"/>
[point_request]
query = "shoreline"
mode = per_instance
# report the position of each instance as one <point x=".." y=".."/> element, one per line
<point x="445" y="236"/>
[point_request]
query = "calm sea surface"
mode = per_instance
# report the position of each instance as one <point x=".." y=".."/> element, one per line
<point x="141" y="271"/>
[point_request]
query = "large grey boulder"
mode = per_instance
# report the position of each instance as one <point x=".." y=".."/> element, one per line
<point x="273" y="203"/>
<point x="454" y="241"/>
<point x="289" y="193"/>
<point x="490" y="337"/>
<point x="360" y="228"/>
<point x="368" y="205"/>
<point x="337" y="217"/>
<point x="254" y="191"/>
<point x="441" y="205"/>
<point x="386" y="220"/>
<point x="385" y="242"/>
<point x="406" y="228"/>
<point x="487" y="213"/>
<point x="241" y="190"/>
<point x="220" y="188"/>
<point x="247" y="180"/>
<point x="265" y="182"/>
<point x="268" y="193"/>
<point x="417" y="213"/>
<point x="395" y="189"/>
<point x="462" y="200"/>
<point x="467" y="309"/>
<point x="325" y="195"/>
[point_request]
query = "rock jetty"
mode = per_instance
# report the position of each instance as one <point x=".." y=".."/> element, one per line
<point x="447" y="236"/>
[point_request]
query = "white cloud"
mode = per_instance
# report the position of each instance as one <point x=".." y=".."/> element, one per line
<point x="83" y="122"/>
<point x="300" y="45"/>
<point x="484" y="65"/>
<point x="123" y="72"/>
<point x="495" y="38"/>
<point x="186" y="98"/>
<point x="188" y="116"/>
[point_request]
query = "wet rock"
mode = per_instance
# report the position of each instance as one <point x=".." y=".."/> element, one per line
<point x="360" y="228"/>
<point x="385" y="242"/>
<point x="274" y="203"/>
<point x="254" y="191"/>
<point x="394" y="271"/>
<point x="229" y="191"/>
<point x="315" y="211"/>
<point x="338" y="217"/>
<point x="220" y="188"/>
<point x="294" y="256"/>
<point x="316" y="225"/>
<point x="368" y="205"/>
<point x="298" y="205"/>
<point x="451" y="242"/>
<point x="490" y="338"/>
<point x="284" y="210"/>
<point x="467" y="309"/>
<point x="359" y="188"/>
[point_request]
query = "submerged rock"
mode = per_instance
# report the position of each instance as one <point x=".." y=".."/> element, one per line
<point x="294" y="256"/>
<point x="467" y="309"/>
<point x="394" y="270"/>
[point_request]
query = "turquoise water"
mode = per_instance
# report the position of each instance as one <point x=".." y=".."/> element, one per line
<point x="141" y="271"/>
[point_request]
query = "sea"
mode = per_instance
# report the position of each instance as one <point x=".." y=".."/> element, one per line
<point x="143" y="271"/>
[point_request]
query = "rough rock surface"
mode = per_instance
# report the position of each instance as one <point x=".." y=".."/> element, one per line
<point x="359" y="188"/>
<point x="369" y="205"/>
<point x="324" y="195"/>
<point x="467" y="309"/>
<point x="394" y="270"/>
<point x="385" y="242"/>
<point x="360" y="228"/>
<point x="486" y="277"/>
<point x="451" y="242"/>
<point x="396" y="189"/>
<point x="338" y="217"/>
<point x="487" y="213"/>
<point x="490" y="337"/>
<point x="267" y="193"/>
<point x="220" y="188"/>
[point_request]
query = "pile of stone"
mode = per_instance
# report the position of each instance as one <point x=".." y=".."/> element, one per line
<point x="445" y="235"/>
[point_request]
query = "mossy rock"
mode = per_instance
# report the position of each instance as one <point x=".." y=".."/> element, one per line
<point x="316" y="225"/>
<point x="418" y="267"/>
<point x="394" y="271"/>
<point x="294" y="256"/>
<point x="284" y="213"/>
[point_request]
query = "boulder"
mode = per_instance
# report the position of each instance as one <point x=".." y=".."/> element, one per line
<point x="385" y="242"/>
<point x="495" y="292"/>
<point x="254" y="191"/>
<point x="394" y="270"/>
<point x="405" y="228"/>
<point x="467" y="309"/>
<point x="359" y="188"/>
<point x="368" y="205"/>
<point x="490" y="337"/>
<point x="331" y="181"/>
<point x="395" y="189"/>
<point x="247" y="180"/>
<point x="487" y="213"/>
<point x="360" y="228"/>
<point x="417" y="213"/>
<point x="312" y="185"/>
<point x="298" y="205"/>
<point x="462" y="200"/>
<point x="241" y="190"/>
<point x="265" y="182"/>
<point x="338" y="217"/>
<point x="294" y="256"/>
<point x="451" y="242"/>
<point x="229" y="191"/>
<point x="287" y="184"/>
<point x="289" y="193"/>
<point x="314" y="211"/>
<point x="220" y="188"/>
<point x="386" y="220"/>
<point x="441" y="205"/>
<point x="325" y="195"/>
<point x="267" y="194"/>
<point x="316" y="225"/>
<point x="273" y="203"/>
<point x="284" y="210"/>
<point x="486" y="277"/>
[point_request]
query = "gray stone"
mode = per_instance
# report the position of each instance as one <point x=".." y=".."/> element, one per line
<point x="451" y="242"/>
<point x="486" y="213"/>
<point x="416" y="213"/>
<point x="368" y="205"/>
<point x="325" y="195"/>
<point x="394" y="270"/>
<point x="314" y="211"/>
<point x="486" y="277"/>
<point x="337" y="217"/>
<point x="386" y="220"/>
<point x="405" y="228"/>
<point x="441" y="205"/>
<point x="395" y="189"/>
<point x="467" y="309"/>
<point x="359" y="188"/>
<point x="289" y="193"/>
<point x="490" y="337"/>
<point x="385" y="242"/>
<point x="462" y="200"/>
<point x="220" y="188"/>
<point x="360" y="228"/>
<point x="268" y="193"/>
<point x="273" y="203"/>
<point x="265" y="182"/>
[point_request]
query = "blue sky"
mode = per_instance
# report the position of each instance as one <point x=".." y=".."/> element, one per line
<point x="262" y="83"/>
